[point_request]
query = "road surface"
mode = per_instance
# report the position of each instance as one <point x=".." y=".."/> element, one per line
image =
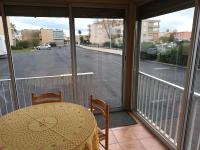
<point x="106" y="67"/>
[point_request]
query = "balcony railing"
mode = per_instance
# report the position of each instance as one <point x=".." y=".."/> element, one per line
<point x="27" y="86"/>
<point x="158" y="103"/>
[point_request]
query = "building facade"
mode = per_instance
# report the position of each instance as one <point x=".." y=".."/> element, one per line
<point x="181" y="36"/>
<point x="58" y="37"/>
<point x="150" y="30"/>
<point x="29" y="35"/>
<point x="103" y="31"/>
<point x="10" y="31"/>
<point x="50" y="35"/>
<point x="46" y="35"/>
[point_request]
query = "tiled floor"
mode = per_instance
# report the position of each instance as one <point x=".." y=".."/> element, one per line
<point x="134" y="137"/>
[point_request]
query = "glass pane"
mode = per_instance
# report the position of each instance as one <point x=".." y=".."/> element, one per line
<point x="6" y="104"/>
<point x="41" y="57"/>
<point x="165" y="43"/>
<point x="99" y="53"/>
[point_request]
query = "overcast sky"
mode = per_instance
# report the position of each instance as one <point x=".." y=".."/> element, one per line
<point x="181" y="21"/>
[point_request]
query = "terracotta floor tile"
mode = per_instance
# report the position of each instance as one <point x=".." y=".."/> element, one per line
<point x="114" y="147"/>
<point x="141" y="132"/>
<point x="124" y="127"/>
<point x="132" y="145"/>
<point x="124" y="134"/>
<point x="112" y="138"/>
<point x="153" y="144"/>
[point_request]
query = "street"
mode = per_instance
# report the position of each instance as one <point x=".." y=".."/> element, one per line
<point x="107" y="69"/>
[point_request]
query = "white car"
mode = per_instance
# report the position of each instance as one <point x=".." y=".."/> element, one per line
<point x="43" y="46"/>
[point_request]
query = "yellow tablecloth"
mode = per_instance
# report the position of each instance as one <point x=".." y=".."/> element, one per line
<point x="55" y="126"/>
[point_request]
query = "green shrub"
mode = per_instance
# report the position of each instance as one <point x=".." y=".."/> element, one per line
<point x="113" y="45"/>
<point x="24" y="44"/>
<point x="178" y="55"/>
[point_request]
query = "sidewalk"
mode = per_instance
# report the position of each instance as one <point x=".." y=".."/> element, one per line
<point x="105" y="50"/>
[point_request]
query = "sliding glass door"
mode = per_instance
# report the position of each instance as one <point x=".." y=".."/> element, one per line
<point x="46" y="58"/>
<point x="99" y="50"/>
<point x="165" y="44"/>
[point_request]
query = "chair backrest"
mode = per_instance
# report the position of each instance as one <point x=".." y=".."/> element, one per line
<point x="104" y="109"/>
<point x="47" y="98"/>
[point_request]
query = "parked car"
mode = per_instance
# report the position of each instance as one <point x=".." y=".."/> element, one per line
<point x="3" y="50"/>
<point x="52" y="44"/>
<point x="43" y="46"/>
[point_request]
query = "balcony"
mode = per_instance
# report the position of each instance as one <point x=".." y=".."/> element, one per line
<point x="155" y="80"/>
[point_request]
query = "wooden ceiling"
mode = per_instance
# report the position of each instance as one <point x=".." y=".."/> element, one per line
<point x="66" y="2"/>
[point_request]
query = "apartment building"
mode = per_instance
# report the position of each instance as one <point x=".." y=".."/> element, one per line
<point x="150" y="30"/>
<point x="105" y="31"/>
<point x="50" y="35"/>
<point x="58" y="37"/>
<point x="29" y="34"/>
<point x="46" y="35"/>
<point x="183" y="36"/>
<point x="10" y="31"/>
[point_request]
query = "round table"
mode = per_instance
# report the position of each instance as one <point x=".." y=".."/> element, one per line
<point x="49" y="126"/>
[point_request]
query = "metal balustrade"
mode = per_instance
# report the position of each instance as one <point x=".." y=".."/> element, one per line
<point x="158" y="102"/>
<point x="63" y="83"/>
<point x="193" y="140"/>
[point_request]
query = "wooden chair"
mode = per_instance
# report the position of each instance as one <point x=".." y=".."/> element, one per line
<point x="104" y="109"/>
<point x="47" y="98"/>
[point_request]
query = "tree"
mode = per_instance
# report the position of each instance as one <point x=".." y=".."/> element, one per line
<point x="168" y="39"/>
<point x="108" y="24"/>
<point x="79" y="32"/>
<point x="172" y="37"/>
<point x="13" y="27"/>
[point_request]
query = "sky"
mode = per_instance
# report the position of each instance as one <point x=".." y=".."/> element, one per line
<point x="181" y="21"/>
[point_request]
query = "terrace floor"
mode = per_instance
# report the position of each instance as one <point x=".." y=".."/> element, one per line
<point x="134" y="137"/>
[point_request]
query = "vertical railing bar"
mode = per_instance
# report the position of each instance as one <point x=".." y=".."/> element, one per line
<point x="2" y="94"/>
<point x="67" y="92"/>
<point x="167" y="111"/>
<point x="89" y="78"/>
<point x="11" y="96"/>
<point x="198" y="144"/>
<point x="17" y="87"/>
<point x="172" y="120"/>
<point x="23" y="94"/>
<point x="63" y="91"/>
<point x="154" y="94"/>
<point x="140" y="106"/>
<point x="138" y="95"/>
<point x="176" y="133"/>
<point x="142" y="110"/>
<point x="147" y="91"/>
<point x="86" y="88"/>
<point x="0" y="111"/>
<point x="150" y="94"/>
<point x="29" y="89"/>
<point x="83" y="91"/>
<point x="190" y="138"/>
<point x="65" y="83"/>
<point x="141" y="93"/>
<point x="34" y="85"/>
<point x="158" y="101"/>
<point x="161" y="121"/>
<point x="4" y="97"/>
